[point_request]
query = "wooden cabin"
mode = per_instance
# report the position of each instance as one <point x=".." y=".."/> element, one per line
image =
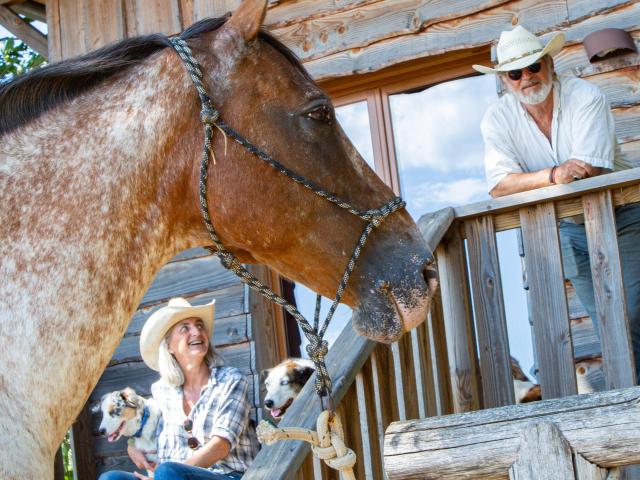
<point x="363" y="52"/>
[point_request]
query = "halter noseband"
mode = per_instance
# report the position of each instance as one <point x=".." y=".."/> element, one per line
<point x="210" y="117"/>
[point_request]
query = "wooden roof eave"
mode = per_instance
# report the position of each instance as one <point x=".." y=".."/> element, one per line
<point x="11" y="20"/>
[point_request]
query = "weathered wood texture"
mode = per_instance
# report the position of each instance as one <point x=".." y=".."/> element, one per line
<point x="21" y="29"/>
<point x="543" y="453"/>
<point x="485" y="444"/>
<point x="458" y="324"/>
<point x="491" y="321"/>
<point x="548" y="303"/>
<point x="606" y="272"/>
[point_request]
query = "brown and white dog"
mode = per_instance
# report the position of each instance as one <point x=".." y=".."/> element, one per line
<point x="524" y="389"/>
<point x="125" y="413"/>
<point x="284" y="382"/>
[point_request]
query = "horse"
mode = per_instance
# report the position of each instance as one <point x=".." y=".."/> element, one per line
<point x="99" y="160"/>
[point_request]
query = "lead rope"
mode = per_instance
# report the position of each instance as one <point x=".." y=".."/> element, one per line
<point x="317" y="347"/>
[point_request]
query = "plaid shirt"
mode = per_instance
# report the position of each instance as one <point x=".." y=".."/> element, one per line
<point x="222" y="410"/>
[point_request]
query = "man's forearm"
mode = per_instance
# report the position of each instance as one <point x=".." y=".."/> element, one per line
<point x="521" y="182"/>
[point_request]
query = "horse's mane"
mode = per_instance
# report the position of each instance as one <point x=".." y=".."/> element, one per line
<point x="30" y="95"/>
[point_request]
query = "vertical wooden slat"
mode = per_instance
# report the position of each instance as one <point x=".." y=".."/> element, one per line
<point x="548" y="307"/>
<point x="586" y="470"/>
<point x="428" y="369"/>
<point x="53" y="30"/>
<point x="382" y="408"/>
<point x="71" y="28"/>
<point x="104" y="21"/>
<point x="608" y="288"/>
<point x="153" y="16"/>
<point x="371" y="460"/>
<point x="418" y="374"/>
<point x="82" y="446"/>
<point x="459" y="336"/>
<point x="491" y="322"/>
<point x="399" y="381"/>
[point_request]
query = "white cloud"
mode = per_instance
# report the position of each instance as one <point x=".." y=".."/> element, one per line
<point x="430" y="196"/>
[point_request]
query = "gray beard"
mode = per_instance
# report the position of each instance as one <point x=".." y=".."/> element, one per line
<point x="534" y="98"/>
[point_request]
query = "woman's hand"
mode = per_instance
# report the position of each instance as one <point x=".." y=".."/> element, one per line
<point x="140" y="459"/>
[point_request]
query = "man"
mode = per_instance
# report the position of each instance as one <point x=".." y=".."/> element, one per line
<point x="547" y="130"/>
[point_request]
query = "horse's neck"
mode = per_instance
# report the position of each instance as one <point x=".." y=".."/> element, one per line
<point x="93" y="204"/>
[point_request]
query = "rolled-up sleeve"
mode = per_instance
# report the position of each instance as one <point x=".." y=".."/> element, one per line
<point x="594" y="131"/>
<point x="499" y="159"/>
<point x="230" y="417"/>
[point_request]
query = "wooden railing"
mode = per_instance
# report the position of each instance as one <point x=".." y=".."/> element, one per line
<point x="441" y="367"/>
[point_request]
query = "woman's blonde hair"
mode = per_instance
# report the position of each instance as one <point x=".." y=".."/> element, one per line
<point x="169" y="367"/>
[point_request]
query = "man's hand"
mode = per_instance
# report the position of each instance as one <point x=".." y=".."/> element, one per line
<point x="574" y="170"/>
<point x="140" y="459"/>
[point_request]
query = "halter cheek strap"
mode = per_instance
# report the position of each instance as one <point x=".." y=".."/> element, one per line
<point x="210" y="117"/>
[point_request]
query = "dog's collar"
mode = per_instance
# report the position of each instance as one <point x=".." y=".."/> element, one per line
<point x="143" y="422"/>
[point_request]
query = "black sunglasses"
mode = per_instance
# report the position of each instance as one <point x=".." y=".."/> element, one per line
<point x="516" y="75"/>
<point x="192" y="441"/>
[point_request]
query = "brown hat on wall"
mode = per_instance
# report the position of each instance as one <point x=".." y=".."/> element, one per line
<point x="607" y="42"/>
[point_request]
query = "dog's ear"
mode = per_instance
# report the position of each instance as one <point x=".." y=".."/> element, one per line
<point x="302" y="373"/>
<point x="264" y="374"/>
<point x="130" y="397"/>
<point x="96" y="407"/>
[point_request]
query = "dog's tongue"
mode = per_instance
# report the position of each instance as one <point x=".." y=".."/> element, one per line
<point x="275" y="413"/>
<point x="113" y="437"/>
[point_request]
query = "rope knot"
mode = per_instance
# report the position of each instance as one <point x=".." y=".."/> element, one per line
<point x="317" y="351"/>
<point x="209" y="115"/>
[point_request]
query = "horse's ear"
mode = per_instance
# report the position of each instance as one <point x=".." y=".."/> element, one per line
<point x="246" y="20"/>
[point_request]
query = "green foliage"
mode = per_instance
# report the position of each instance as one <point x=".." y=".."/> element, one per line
<point x="16" y="58"/>
<point x="67" y="457"/>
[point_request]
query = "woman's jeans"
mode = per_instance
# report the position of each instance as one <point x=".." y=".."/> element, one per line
<point x="575" y="259"/>
<point x="174" y="471"/>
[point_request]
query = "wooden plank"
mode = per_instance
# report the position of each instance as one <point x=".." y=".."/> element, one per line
<point x="543" y="453"/>
<point x="631" y="151"/>
<point x="579" y="9"/>
<point x="71" y="28"/>
<point x="435" y="225"/>
<point x="626" y="17"/>
<point x="386" y="409"/>
<point x="53" y="31"/>
<point x="227" y="331"/>
<point x="105" y="23"/>
<point x="152" y="16"/>
<point x="586" y="344"/>
<point x="345" y="359"/>
<point x="418" y="374"/>
<point x="188" y="278"/>
<point x="606" y="272"/>
<point x="458" y="324"/>
<point x="484" y="444"/>
<point x="548" y="302"/>
<point x="472" y="31"/>
<point x="190" y="254"/>
<point x="439" y="359"/>
<point x="620" y="87"/>
<point x="24" y="31"/>
<point x="372" y="23"/>
<point x="491" y="321"/>
<point x="627" y="122"/>
<point x="427" y="370"/>
<point x="551" y="193"/>
<point x="33" y="10"/>
<point x="230" y="302"/>
<point x="399" y="381"/>
<point x="586" y="470"/>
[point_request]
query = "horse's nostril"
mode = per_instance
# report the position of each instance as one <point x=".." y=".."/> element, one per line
<point x="429" y="272"/>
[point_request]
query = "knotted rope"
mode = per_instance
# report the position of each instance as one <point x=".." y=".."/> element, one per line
<point x="327" y="442"/>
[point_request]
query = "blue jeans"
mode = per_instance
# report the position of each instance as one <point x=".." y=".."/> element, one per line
<point x="174" y="471"/>
<point x="577" y="268"/>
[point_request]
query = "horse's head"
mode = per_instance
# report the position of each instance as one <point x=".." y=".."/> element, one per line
<point x="263" y="216"/>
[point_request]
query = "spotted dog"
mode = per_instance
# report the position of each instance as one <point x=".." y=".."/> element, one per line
<point x="524" y="389"/>
<point x="284" y="382"/>
<point x="125" y="413"/>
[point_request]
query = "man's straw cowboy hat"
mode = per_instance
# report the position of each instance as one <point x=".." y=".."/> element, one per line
<point x="158" y="324"/>
<point x="519" y="48"/>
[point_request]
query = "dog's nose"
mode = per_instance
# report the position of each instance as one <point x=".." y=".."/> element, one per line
<point x="268" y="403"/>
<point x="102" y="432"/>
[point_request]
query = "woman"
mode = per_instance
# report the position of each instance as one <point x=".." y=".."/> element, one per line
<point x="205" y="433"/>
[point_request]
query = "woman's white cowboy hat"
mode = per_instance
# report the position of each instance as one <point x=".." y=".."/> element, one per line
<point x="519" y="48"/>
<point x="158" y="324"/>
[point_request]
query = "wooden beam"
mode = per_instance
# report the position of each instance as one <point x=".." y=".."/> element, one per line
<point x="33" y="10"/>
<point x="25" y="32"/>
<point x="485" y="444"/>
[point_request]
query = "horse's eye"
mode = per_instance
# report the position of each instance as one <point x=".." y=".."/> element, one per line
<point x="322" y="113"/>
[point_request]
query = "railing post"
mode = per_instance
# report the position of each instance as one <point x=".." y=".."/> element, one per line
<point x="491" y="322"/>
<point x="549" y="312"/>
<point x="608" y="288"/>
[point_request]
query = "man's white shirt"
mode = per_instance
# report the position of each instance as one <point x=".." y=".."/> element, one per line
<point x="582" y="128"/>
